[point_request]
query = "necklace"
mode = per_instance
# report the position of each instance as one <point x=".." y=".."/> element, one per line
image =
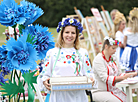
<point x="105" y="57"/>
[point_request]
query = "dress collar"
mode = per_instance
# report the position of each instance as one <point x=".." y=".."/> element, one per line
<point x="103" y="55"/>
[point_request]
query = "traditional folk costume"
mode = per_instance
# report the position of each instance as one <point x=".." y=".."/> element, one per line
<point x="119" y="17"/>
<point x="119" y="36"/>
<point x="105" y="73"/>
<point x="129" y="57"/>
<point x="66" y="66"/>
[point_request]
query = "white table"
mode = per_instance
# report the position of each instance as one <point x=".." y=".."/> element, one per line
<point x="129" y="86"/>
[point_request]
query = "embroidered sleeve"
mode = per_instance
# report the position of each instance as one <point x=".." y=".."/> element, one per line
<point x="102" y="71"/>
<point x="87" y="65"/>
<point x="48" y="65"/>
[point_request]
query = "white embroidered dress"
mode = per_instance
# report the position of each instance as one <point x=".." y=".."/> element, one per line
<point x="132" y="44"/>
<point x="105" y="73"/>
<point x="119" y="36"/>
<point x="66" y="66"/>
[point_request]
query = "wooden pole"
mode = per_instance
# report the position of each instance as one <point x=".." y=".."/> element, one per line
<point x="106" y="17"/>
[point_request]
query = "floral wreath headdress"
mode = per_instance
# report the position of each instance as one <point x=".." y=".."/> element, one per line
<point x="119" y="17"/>
<point x="112" y="42"/>
<point x="133" y="13"/>
<point x="69" y="21"/>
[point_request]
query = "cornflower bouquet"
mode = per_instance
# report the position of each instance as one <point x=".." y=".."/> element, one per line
<point x="19" y="55"/>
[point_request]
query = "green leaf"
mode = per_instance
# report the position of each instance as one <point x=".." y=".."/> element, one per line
<point x="14" y="26"/>
<point x="30" y="39"/>
<point x="30" y="78"/>
<point x="30" y="94"/>
<point x="12" y="88"/>
<point x="20" y="28"/>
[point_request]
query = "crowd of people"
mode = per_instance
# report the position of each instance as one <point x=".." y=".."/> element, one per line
<point x="69" y="59"/>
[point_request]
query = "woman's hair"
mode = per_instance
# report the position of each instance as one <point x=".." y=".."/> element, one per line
<point x="114" y="10"/>
<point x="133" y="24"/>
<point x="114" y="42"/>
<point x="60" y="40"/>
<point x="119" y="17"/>
<point x="116" y="27"/>
<point x="105" y="42"/>
<point x="133" y="20"/>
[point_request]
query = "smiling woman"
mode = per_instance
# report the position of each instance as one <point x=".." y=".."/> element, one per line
<point x="69" y="36"/>
<point x="67" y="59"/>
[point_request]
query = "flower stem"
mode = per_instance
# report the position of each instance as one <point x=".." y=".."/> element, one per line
<point x="15" y="34"/>
<point x="11" y="81"/>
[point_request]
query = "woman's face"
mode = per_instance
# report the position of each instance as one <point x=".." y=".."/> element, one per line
<point x="122" y="25"/>
<point x="112" y="49"/>
<point x="113" y="16"/>
<point x="69" y="36"/>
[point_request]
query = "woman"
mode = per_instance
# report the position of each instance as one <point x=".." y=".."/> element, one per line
<point x="107" y="73"/>
<point x="129" y="57"/>
<point x="119" y="26"/>
<point x="112" y="14"/>
<point x="69" y="52"/>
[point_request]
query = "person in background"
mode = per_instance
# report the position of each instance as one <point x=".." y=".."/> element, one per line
<point x="119" y="26"/>
<point x="129" y="58"/>
<point x="112" y="14"/>
<point x="7" y="34"/>
<point x="69" y="62"/>
<point x="107" y="73"/>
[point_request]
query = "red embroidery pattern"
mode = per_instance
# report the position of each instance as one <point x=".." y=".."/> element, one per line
<point x="68" y="56"/>
<point x="105" y="58"/>
<point x="46" y="64"/>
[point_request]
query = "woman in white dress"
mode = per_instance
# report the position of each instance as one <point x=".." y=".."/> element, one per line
<point x="119" y="26"/>
<point x="69" y="53"/>
<point x="129" y="57"/>
<point x="107" y="73"/>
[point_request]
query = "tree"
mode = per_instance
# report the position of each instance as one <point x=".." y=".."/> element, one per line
<point x="55" y="10"/>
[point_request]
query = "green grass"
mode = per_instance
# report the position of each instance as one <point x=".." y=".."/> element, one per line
<point x="2" y="36"/>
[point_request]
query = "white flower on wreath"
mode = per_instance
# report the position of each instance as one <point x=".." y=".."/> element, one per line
<point x="62" y="23"/>
<point x="58" y="27"/>
<point x="111" y="41"/>
<point x="71" y="21"/>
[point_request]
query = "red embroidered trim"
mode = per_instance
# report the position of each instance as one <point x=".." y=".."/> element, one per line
<point x="114" y="81"/>
<point x="116" y="96"/>
<point x="107" y="83"/>
<point x="105" y="57"/>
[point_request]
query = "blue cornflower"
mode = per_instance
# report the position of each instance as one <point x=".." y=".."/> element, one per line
<point x="3" y="56"/>
<point x="2" y="78"/>
<point x="5" y="71"/>
<point x="3" y="53"/>
<point x="10" y="14"/>
<point x="69" y="21"/>
<point x="44" y="39"/>
<point x="31" y="12"/>
<point x="21" y="54"/>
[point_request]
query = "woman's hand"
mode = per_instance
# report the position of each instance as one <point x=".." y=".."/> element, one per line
<point x="47" y="85"/>
<point x="93" y="81"/>
<point x="130" y="75"/>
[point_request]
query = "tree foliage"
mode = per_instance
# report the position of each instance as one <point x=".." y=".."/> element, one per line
<point x="54" y="10"/>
